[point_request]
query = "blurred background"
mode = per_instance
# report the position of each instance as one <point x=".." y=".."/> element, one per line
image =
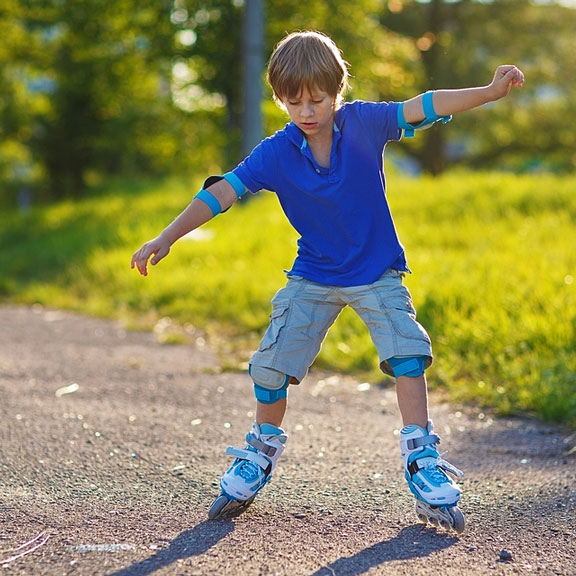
<point x="91" y="88"/>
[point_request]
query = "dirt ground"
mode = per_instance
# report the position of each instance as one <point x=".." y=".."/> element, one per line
<point x="112" y="445"/>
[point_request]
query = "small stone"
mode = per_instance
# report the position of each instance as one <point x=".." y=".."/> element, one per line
<point x="505" y="556"/>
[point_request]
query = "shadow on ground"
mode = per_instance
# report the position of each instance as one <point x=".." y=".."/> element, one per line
<point x="190" y="543"/>
<point x="411" y="542"/>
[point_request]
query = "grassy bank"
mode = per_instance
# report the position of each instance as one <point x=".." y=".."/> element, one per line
<point x="492" y="256"/>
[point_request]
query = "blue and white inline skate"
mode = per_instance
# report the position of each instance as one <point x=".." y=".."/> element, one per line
<point x="251" y="470"/>
<point x="437" y="495"/>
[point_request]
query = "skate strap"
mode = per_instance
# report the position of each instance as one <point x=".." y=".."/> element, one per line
<point x="446" y="466"/>
<point x="244" y="454"/>
<point x="261" y="446"/>
<point x="413" y="443"/>
<point x="429" y="461"/>
<point x="422" y="463"/>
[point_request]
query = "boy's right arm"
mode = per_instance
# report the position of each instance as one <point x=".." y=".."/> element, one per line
<point x="193" y="216"/>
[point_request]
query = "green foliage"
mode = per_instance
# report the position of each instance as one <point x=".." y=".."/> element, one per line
<point x="493" y="277"/>
<point x="460" y="43"/>
<point x="88" y="92"/>
<point x="209" y="40"/>
<point x="92" y="87"/>
<point x="494" y="283"/>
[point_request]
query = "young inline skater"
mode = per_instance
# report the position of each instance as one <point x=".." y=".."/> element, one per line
<point x="326" y="167"/>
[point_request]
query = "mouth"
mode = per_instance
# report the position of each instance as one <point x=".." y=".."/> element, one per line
<point x="308" y="125"/>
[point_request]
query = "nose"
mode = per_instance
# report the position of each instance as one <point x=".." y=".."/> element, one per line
<point x="307" y="110"/>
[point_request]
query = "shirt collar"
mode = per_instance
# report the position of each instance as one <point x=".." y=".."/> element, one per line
<point x="297" y="137"/>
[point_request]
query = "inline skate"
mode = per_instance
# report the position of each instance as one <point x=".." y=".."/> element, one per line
<point x="437" y="495"/>
<point x="251" y="470"/>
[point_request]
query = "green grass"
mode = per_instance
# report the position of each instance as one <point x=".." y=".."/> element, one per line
<point x="492" y="256"/>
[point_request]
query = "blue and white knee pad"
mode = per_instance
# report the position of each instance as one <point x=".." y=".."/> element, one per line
<point x="269" y="385"/>
<point x="411" y="366"/>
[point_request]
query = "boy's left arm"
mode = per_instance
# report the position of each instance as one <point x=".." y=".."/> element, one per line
<point x="448" y="102"/>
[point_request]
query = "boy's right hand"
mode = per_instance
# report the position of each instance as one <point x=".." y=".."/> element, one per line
<point x="157" y="248"/>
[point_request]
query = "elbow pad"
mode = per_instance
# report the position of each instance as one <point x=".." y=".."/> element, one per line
<point x="206" y="196"/>
<point x="430" y="116"/>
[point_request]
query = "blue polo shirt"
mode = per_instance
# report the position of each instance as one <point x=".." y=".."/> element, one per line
<point x="347" y="235"/>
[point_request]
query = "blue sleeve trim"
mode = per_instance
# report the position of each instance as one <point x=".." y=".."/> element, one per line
<point x="402" y="124"/>
<point x="236" y="183"/>
<point x="211" y="200"/>
<point x="430" y="115"/>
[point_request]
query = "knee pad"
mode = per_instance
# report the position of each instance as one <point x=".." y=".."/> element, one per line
<point x="411" y="366"/>
<point x="269" y="384"/>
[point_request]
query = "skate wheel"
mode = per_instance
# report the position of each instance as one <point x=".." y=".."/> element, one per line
<point x="445" y="525"/>
<point x="458" y="520"/>
<point x="225" y="505"/>
<point x="218" y="506"/>
<point x="421" y="514"/>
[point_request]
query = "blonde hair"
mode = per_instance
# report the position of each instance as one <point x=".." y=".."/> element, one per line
<point x="307" y="60"/>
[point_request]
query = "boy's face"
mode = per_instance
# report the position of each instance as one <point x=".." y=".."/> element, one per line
<point x="312" y="111"/>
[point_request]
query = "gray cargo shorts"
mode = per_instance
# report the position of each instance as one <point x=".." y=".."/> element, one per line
<point x="303" y="311"/>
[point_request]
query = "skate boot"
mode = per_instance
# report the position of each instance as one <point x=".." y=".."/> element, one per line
<point x="437" y="495"/>
<point x="251" y="470"/>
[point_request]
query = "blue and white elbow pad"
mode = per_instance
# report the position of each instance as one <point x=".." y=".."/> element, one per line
<point x="430" y="116"/>
<point x="206" y="196"/>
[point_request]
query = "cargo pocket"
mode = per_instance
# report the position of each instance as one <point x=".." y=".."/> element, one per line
<point x="402" y="316"/>
<point x="404" y="323"/>
<point x="278" y="319"/>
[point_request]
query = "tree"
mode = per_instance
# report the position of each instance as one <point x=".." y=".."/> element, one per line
<point x="96" y="87"/>
<point x="101" y="71"/>
<point x="212" y="52"/>
<point x="398" y="48"/>
<point x="460" y="43"/>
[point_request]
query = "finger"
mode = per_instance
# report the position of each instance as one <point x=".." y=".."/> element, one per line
<point x="158" y="255"/>
<point x="141" y="261"/>
<point x="134" y="260"/>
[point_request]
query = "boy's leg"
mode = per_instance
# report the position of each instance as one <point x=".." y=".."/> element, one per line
<point x="271" y="413"/>
<point x="255" y="462"/>
<point x="412" y="395"/>
<point x="301" y="314"/>
<point x="405" y="352"/>
<point x="425" y="469"/>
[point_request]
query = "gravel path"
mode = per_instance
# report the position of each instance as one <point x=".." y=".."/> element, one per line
<point x="111" y="447"/>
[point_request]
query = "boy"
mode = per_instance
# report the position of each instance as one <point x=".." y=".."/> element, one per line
<point x="326" y="167"/>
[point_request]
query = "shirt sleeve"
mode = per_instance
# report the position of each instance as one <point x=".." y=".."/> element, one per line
<point x="257" y="170"/>
<point x="380" y="120"/>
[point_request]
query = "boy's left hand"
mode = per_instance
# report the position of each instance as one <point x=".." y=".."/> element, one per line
<point x="506" y="77"/>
